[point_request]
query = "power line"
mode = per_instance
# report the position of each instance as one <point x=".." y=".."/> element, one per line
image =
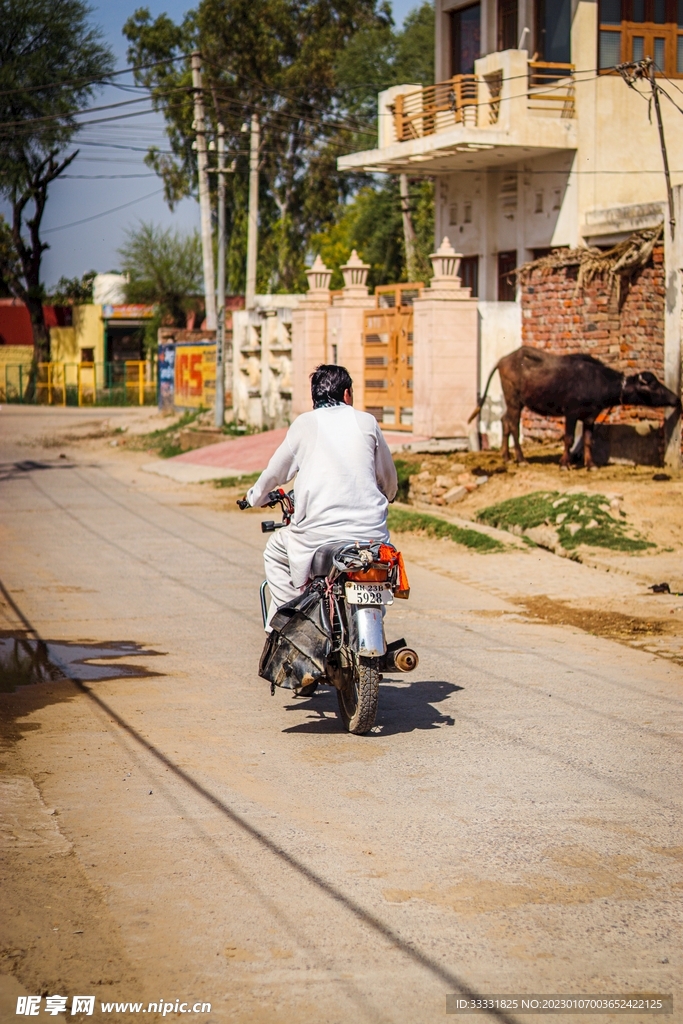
<point x="84" y="124"/>
<point x="98" y="80"/>
<point x="97" y="177"/>
<point x="73" y="113"/>
<point x="104" y="213"/>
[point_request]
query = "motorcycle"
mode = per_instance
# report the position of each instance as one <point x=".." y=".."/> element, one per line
<point x="333" y="632"/>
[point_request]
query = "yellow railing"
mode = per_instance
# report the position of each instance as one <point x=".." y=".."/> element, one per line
<point x="51" y="384"/>
<point x="60" y="383"/>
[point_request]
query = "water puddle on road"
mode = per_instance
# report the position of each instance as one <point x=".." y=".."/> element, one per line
<point x="24" y="660"/>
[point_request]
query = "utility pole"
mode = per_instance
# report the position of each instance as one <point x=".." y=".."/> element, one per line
<point x="252" y="222"/>
<point x="220" y="286"/>
<point x="408" y="229"/>
<point x="631" y="72"/>
<point x="204" y="196"/>
<point x="662" y="143"/>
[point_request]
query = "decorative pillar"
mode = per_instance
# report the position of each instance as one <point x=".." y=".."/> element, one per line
<point x="309" y="328"/>
<point x="445" y="343"/>
<point x="345" y="324"/>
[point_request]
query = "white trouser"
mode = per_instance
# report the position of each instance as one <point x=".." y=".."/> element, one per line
<point x="278" y="573"/>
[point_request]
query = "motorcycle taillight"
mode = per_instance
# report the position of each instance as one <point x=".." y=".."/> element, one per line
<point x="375" y="574"/>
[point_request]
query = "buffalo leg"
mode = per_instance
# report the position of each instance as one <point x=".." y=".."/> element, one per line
<point x="505" y="443"/>
<point x="505" y="447"/>
<point x="569" y="429"/>
<point x="514" y="417"/>
<point x="588" y="444"/>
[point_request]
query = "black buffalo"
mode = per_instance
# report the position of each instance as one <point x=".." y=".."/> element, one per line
<point x="577" y="387"/>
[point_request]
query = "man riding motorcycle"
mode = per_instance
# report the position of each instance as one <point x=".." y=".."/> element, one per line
<point x="345" y="479"/>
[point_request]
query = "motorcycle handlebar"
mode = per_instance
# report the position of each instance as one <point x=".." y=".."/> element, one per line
<point x="278" y="497"/>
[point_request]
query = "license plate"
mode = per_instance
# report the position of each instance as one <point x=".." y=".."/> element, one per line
<point x="369" y="593"/>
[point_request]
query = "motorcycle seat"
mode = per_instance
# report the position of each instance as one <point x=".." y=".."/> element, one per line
<point x="322" y="559"/>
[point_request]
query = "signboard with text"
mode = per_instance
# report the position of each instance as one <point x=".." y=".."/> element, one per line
<point x="195" y="374"/>
<point x="166" y="375"/>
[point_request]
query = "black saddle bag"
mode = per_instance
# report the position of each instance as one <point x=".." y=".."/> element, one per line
<point x="296" y="651"/>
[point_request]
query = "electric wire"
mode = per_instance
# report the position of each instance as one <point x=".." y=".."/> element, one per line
<point x="96" y="80"/>
<point x="103" y="213"/>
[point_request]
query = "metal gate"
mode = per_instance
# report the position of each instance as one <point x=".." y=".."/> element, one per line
<point x="388" y="355"/>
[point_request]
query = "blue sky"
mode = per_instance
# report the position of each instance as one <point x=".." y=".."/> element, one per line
<point x="98" y="183"/>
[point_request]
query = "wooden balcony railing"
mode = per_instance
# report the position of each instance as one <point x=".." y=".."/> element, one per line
<point x="551" y="88"/>
<point x="437" y="108"/>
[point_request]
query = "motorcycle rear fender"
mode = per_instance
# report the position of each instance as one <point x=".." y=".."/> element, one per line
<point x="366" y="630"/>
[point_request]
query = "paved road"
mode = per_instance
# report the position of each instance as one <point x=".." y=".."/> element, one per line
<point x="511" y="826"/>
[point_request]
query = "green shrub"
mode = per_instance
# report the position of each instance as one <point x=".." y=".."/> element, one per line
<point x="402" y="521"/>
<point x="404" y="471"/>
<point x="546" y="507"/>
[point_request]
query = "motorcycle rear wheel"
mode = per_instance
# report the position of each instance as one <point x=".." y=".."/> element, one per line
<point x="359" y="698"/>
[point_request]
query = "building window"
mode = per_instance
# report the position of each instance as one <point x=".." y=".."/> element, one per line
<point x="465" y="39"/>
<point x="507" y="24"/>
<point x="553" y="31"/>
<point x="557" y="199"/>
<point x="453" y="214"/>
<point x="538" y="203"/>
<point x="634" y="29"/>
<point x="467" y="219"/>
<point x="469" y="274"/>
<point x="507" y="285"/>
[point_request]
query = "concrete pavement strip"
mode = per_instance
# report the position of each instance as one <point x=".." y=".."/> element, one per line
<point x="188" y="473"/>
<point x="241" y="455"/>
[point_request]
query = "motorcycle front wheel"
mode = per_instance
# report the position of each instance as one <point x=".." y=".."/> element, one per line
<point x="359" y="697"/>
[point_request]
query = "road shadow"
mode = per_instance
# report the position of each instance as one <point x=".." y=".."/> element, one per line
<point x="404" y="706"/>
<point x="17" y="470"/>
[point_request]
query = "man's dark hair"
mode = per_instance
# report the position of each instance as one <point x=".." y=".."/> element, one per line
<point x="328" y="384"/>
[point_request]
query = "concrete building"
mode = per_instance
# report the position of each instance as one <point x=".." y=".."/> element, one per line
<point x="539" y="146"/>
<point x="533" y="139"/>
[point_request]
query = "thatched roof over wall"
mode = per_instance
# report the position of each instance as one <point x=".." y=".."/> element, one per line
<point x="621" y="261"/>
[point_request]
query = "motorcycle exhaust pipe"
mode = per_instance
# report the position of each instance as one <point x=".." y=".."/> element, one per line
<point x="403" y="660"/>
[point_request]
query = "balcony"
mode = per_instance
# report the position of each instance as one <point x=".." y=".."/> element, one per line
<point x="511" y="108"/>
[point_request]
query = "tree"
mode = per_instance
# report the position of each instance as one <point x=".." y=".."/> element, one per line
<point x="373" y="60"/>
<point x="51" y="61"/>
<point x="377" y="58"/>
<point x="371" y="223"/>
<point x="276" y="58"/>
<point x="164" y="269"/>
<point x="74" y="291"/>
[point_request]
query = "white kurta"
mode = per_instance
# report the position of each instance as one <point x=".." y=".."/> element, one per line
<point x="345" y="480"/>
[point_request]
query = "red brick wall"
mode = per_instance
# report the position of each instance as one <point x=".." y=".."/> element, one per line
<point x="629" y="337"/>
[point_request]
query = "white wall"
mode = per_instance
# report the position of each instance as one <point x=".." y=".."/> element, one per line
<point x="262" y="361"/>
<point x="500" y="332"/>
<point x="525" y="206"/>
<point x="109" y="289"/>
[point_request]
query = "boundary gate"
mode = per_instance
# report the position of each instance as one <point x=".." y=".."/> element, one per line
<point x="388" y="355"/>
